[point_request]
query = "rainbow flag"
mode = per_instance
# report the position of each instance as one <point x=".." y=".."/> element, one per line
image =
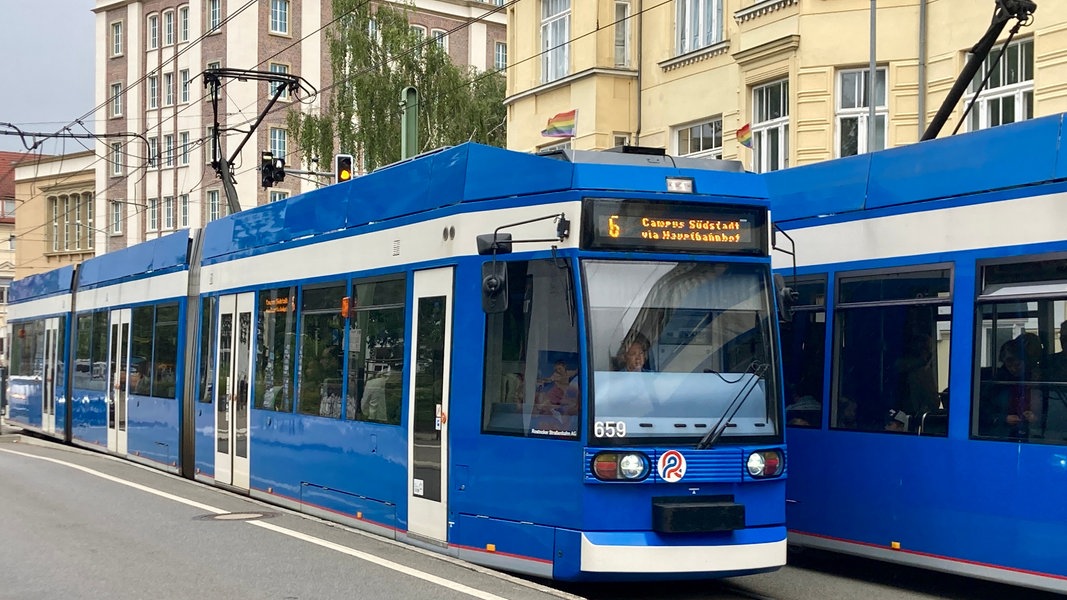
<point x="561" y="125"/>
<point x="744" y="135"/>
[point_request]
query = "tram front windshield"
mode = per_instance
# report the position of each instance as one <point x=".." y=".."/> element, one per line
<point x="677" y="346"/>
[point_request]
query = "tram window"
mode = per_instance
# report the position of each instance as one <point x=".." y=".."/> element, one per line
<point x="207" y="344"/>
<point x="275" y="349"/>
<point x="99" y="349"/>
<point x="803" y="354"/>
<point x="27" y="349"/>
<point x="1020" y="354"/>
<point x="165" y="352"/>
<point x="90" y="354"/>
<point x="891" y="361"/>
<point x="376" y="351"/>
<point x="531" y="356"/>
<point x="321" y="340"/>
<point x="140" y="371"/>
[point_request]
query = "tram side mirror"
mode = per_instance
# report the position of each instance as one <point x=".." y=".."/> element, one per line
<point x="494" y="287"/>
<point x="787" y="298"/>
<point x="499" y="243"/>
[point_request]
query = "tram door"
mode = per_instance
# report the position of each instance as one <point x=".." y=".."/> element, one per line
<point x="430" y="361"/>
<point x="232" y="389"/>
<point x="118" y="383"/>
<point x="51" y="365"/>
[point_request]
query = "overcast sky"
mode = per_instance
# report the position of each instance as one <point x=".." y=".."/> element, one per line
<point x="47" y="49"/>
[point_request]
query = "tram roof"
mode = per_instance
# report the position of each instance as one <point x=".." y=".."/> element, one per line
<point x="40" y="285"/>
<point x="161" y="255"/>
<point x="467" y="173"/>
<point x="1010" y="156"/>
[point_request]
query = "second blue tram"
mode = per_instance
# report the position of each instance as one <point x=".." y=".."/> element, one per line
<point x="564" y="366"/>
<point x="925" y="362"/>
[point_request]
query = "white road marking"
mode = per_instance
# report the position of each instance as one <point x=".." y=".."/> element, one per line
<point x="388" y="564"/>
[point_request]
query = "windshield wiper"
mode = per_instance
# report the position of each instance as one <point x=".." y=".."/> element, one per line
<point x="757" y="369"/>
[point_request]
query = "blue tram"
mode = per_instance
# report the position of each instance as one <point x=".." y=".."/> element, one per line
<point x="926" y="393"/>
<point x="564" y="365"/>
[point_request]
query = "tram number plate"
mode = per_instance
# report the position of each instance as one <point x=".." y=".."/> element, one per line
<point x="602" y="429"/>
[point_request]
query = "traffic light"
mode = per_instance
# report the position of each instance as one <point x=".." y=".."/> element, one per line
<point x="342" y="168"/>
<point x="272" y="170"/>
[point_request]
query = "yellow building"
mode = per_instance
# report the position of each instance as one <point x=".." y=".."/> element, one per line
<point x="687" y="75"/>
<point x="55" y="200"/>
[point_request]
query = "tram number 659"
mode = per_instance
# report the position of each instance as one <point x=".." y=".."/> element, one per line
<point x="609" y="429"/>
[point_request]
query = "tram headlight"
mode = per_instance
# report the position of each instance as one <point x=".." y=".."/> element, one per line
<point x="620" y="466"/>
<point x="765" y="463"/>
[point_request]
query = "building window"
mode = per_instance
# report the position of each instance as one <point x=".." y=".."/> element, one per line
<point x="116" y="99"/>
<point x="892" y="348"/>
<point x="183" y="24"/>
<point x="555" y="39"/>
<point x="183" y="85"/>
<point x="168" y="212"/>
<point x="183" y="150"/>
<point x="183" y="210"/>
<point x="770" y="126"/>
<point x="213" y="93"/>
<point x="1008" y="96"/>
<point x="278" y="195"/>
<point x="89" y="204"/>
<point x="500" y="56"/>
<point x="116" y="38"/>
<point x="168" y="89"/>
<point x="116" y="158"/>
<point x="168" y="28"/>
<point x="168" y="150"/>
<point x="153" y="214"/>
<point x="213" y="205"/>
<point x="853" y="111"/>
<point x="273" y="86"/>
<point x="440" y="37"/>
<point x="278" y="142"/>
<point x="419" y="32"/>
<point x="214" y="15"/>
<point x="153" y="91"/>
<point x="701" y="140"/>
<point x="279" y="16"/>
<point x="116" y="217"/>
<point x="622" y="33"/>
<point x="699" y="24"/>
<point x="153" y="151"/>
<point x="803" y="353"/>
<point x="153" y="32"/>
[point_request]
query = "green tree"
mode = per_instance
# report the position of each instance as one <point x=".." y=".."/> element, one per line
<point x="374" y="54"/>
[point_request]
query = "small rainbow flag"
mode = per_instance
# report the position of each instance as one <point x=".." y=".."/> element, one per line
<point x="744" y="135"/>
<point x="561" y="125"/>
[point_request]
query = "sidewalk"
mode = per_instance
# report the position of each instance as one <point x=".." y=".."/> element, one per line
<point x="8" y="432"/>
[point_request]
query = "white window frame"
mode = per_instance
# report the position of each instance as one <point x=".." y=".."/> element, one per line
<point x="214" y="15"/>
<point x="770" y="128"/>
<point x="153" y="152"/>
<point x="998" y="95"/>
<point x="555" y="39"/>
<point x="500" y="56"/>
<point x="212" y="65"/>
<point x="690" y="134"/>
<point x="622" y="33"/>
<point x="698" y="24"/>
<point x="213" y="205"/>
<point x="183" y="23"/>
<point x="278" y="142"/>
<point x="168" y="89"/>
<point x="852" y="105"/>
<point x="168" y="150"/>
<point x="116" y="158"/>
<point x="183" y="210"/>
<point x="183" y="86"/>
<point x="116" y="99"/>
<point x="278" y="195"/>
<point x="116" y="217"/>
<point x="152" y="30"/>
<point x="279" y="17"/>
<point x="440" y="37"/>
<point x="116" y="38"/>
<point x="152" y="221"/>
<point x="153" y="91"/>
<point x="168" y="212"/>
<point x="183" y="148"/>
<point x="280" y="68"/>
<point x="168" y="28"/>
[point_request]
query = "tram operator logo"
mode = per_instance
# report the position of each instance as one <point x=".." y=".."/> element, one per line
<point x="671" y="466"/>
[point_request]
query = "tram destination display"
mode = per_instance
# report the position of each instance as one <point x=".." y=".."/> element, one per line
<point x="672" y="227"/>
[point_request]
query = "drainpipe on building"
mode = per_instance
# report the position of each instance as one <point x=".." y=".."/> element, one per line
<point x="922" y="67"/>
<point x="640" y="68"/>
